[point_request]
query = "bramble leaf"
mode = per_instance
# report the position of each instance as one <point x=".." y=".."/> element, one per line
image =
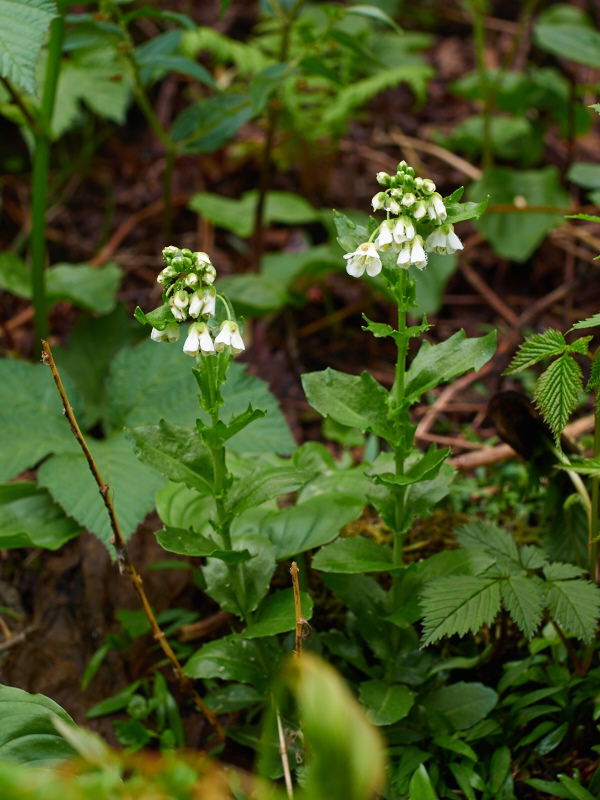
<point x="556" y="393"/>
<point x="575" y="605"/>
<point x="24" y="24"/>
<point x="535" y="348"/>
<point x="458" y="604"/>
<point x="523" y="600"/>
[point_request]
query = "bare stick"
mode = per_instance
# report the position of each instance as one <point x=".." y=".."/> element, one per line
<point x="284" y="755"/>
<point x="123" y="557"/>
<point x="300" y="621"/>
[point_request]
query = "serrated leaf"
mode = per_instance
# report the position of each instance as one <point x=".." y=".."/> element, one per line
<point x="556" y="393"/>
<point x="495" y="541"/>
<point x="277" y="614"/>
<point x="580" y="345"/>
<point x="177" y="453"/>
<point x="583" y="466"/>
<point x="27" y="734"/>
<point x="575" y="605"/>
<point x="458" y="604"/>
<point x="458" y="212"/>
<point x="385" y="703"/>
<point x="133" y="485"/>
<point x="23" y="23"/>
<point x="31" y="417"/>
<point x="558" y="571"/>
<point x="523" y="600"/>
<point x="590" y="322"/>
<point x="535" y="348"/>
<point x="29" y="518"/>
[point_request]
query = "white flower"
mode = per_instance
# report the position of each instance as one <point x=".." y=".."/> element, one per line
<point x="229" y="337"/>
<point x="364" y="257"/>
<point x="170" y="333"/>
<point x="409" y="200"/>
<point x="420" y="210"/>
<point x="192" y="280"/>
<point x="404" y="231"/>
<point x="209" y="274"/>
<point x="378" y="201"/>
<point x="428" y="186"/>
<point x="393" y="206"/>
<point x="412" y="253"/>
<point x="177" y="312"/>
<point x="209" y="302"/>
<point x="201" y="258"/>
<point x="196" y="304"/>
<point x="384" y="237"/>
<point x="198" y="340"/>
<point x="436" y="210"/>
<point x="181" y="299"/>
<point x="443" y="240"/>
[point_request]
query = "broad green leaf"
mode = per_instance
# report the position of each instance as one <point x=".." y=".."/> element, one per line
<point x="133" y="485"/>
<point x="267" y="82"/>
<point x="458" y="604"/>
<point x="556" y="393"/>
<point x="172" y="62"/>
<point x="464" y="774"/>
<point x="562" y="572"/>
<point x="350" y="235"/>
<point x="190" y="543"/>
<point x="575" y="605"/>
<point x="585" y="174"/>
<point x="29" y="518"/>
<point x="253" y="576"/>
<point x="535" y="348"/>
<point x="91" y="288"/>
<point x="277" y="614"/>
<point x="516" y="235"/>
<point x="159" y="318"/>
<point x="231" y="658"/>
<point x="238" y="216"/>
<point x="93" y="344"/>
<point x="574" y="42"/>
<point x="27" y="733"/>
<point x="184" y="508"/>
<point x="24" y="24"/>
<point x="375" y="13"/>
<point x="499" y="768"/>
<point x="463" y="704"/>
<point x="356" y="401"/>
<point x="420" y="785"/>
<point x="435" y="364"/>
<point x="31" y="417"/>
<point x="311" y="523"/>
<point x="154" y="380"/>
<point x="590" y="322"/>
<point x="458" y="212"/>
<point x="353" y="556"/>
<point x="263" y="485"/>
<point x="14" y="275"/>
<point x="253" y="295"/>
<point x="574" y="787"/>
<point x="210" y="123"/>
<point x="234" y="697"/>
<point x="523" y="599"/>
<point x="385" y="703"/>
<point x="425" y="469"/>
<point x="488" y="537"/>
<point x="177" y="453"/>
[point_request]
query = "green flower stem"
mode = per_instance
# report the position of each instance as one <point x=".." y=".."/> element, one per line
<point x="398" y="399"/>
<point x="41" y="162"/>
<point x="593" y="541"/>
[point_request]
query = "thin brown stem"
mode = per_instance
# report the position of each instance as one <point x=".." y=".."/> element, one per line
<point x="123" y="557"/>
<point x="579" y="668"/>
<point x="300" y="621"/>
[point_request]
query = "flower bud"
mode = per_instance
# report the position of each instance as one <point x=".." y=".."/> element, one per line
<point x="428" y="186"/>
<point x="383" y="179"/>
<point x="181" y="299"/>
<point x="169" y="252"/>
<point x="409" y="200"/>
<point x="166" y="276"/>
<point x="192" y="280"/>
<point x="378" y="201"/>
<point x="402" y="166"/>
<point x="209" y="274"/>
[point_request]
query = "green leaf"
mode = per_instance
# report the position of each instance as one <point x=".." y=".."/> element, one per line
<point x="31" y="417"/>
<point x="455" y="744"/>
<point x="458" y="604"/>
<point x="458" y="212"/>
<point x="516" y="235"/>
<point x="253" y="295"/>
<point x="14" y="275"/>
<point x="27" y="733"/>
<point x="435" y="364"/>
<point x="238" y="216"/>
<point x="350" y="235"/>
<point x="263" y="485"/>
<point x="562" y="572"/>
<point x="584" y="174"/>
<point x="425" y="469"/>
<point x="311" y="523"/>
<point x="495" y="541"/>
<point x="154" y="380"/>
<point x="24" y="24"/>
<point x="581" y="345"/>
<point x="556" y="393"/>
<point x="375" y="13"/>
<point x="229" y="658"/>
<point x="554" y="788"/>
<point x="385" y="703"/>
<point x="69" y="480"/>
<point x="464" y="775"/>
<point x="574" y="787"/>
<point x="420" y="785"/>
<point x="159" y="318"/>
<point x="463" y="704"/>
<point x="353" y="556"/>
<point x="210" y="123"/>
<point x="575" y="605"/>
<point x="254" y="575"/>
<point x="173" y="62"/>
<point x="190" y="543"/>
<point x="234" y="697"/>
<point x="91" y="288"/>
<point x="590" y="322"/>
<point x="356" y="401"/>
<point x="524" y="601"/>
<point x="535" y="348"/>
<point x="277" y="614"/>
<point x="29" y="518"/>
<point x="499" y="768"/>
<point x="574" y="42"/>
<point x="177" y="453"/>
<point x="221" y="432"/>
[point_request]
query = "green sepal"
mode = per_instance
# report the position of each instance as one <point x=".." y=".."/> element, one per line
<point x="220" y="433"/>
<point x="535" y="348"/>
<point x="426" y="469"/>
<point x="457" y="212"/>
<point x="159" y="318"/>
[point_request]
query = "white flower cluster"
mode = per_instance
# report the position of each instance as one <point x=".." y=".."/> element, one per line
<point x="188" y="289"/>
<point x="407" y="201"/>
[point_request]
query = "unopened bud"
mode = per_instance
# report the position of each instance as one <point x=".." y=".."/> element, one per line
<point x="383" y="179"/>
